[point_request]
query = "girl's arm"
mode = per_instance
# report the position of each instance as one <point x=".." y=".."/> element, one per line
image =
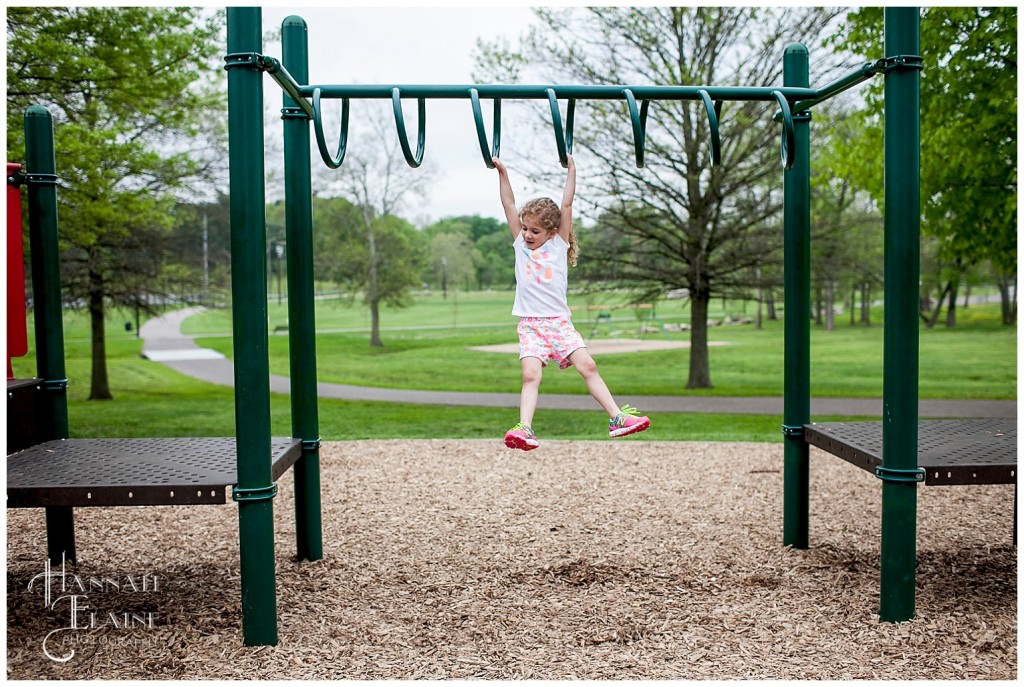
<point x="508" y="201"/>
<point x="565" y="225"/>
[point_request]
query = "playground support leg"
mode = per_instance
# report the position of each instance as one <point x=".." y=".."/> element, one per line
<point x="44" y="240"/>
<point x="797" y="242"/>
<point x="902" y="270"/>
<point x="255" y="490"/>
<point x="301" y="310"/>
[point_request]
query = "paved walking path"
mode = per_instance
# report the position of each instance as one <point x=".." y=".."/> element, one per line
<point x="163" y="342"/>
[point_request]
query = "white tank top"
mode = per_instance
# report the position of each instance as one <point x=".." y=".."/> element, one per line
<point x="542" y="277"/>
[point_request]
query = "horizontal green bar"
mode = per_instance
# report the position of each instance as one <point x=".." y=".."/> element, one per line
<point x="803" y="97"/>
<point x="539" y="92"/>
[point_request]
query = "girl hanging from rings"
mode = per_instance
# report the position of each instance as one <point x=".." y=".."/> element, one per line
<point x="545" y="245"/>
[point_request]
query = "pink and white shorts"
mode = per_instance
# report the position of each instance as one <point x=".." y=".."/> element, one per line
<point x="548" y="338"/>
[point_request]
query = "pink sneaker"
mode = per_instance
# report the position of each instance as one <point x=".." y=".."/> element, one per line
<point x="521" y="437"/>
<point x="628" y="421"/>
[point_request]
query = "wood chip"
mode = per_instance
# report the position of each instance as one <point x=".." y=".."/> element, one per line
<point x="453" y="559"/>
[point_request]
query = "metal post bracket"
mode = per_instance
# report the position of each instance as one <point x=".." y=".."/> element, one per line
<point x="252" y="60"/>
<point x="898" y="63"/>
<point x="793" y="430"/>
<point x="254" y="494"/>
<point x="900" y="476"/>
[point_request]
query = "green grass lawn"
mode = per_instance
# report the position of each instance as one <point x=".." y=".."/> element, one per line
<point x="152" y="400"/>
<point x="975" y="360"/>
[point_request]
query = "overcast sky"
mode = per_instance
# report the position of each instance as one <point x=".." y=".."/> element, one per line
<point x="412" y="46"/>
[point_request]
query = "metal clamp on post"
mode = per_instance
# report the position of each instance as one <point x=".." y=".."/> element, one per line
<point x="898" y="63"/>
<point x="54" y="385"/>
<point x="254" y="494"/>
<point x="294" y="113"/>
<point x="793" y="430"/>
<point x="37" y="179"/>
<point x="243" y="59"/>
<point x="309" y="445"/>
<point x="899" y="476"/>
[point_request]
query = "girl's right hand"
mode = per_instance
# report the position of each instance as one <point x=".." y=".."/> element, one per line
<point x="498" y="165"/>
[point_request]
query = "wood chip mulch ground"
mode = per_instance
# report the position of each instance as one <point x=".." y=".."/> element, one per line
<point x="586" y="560"/>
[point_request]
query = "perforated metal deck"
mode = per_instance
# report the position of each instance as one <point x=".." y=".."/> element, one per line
<point x="951" y="451"/>
<point x="131" y="472"/>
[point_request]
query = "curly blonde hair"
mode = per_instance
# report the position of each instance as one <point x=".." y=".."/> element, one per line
<point x="549" y="216"/>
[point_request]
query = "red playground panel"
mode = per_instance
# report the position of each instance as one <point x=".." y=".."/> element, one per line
<point x="17" y="329"/>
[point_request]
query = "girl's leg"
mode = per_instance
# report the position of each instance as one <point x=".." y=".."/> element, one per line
<point x="585" y="365"/>
<point x="532" y="371"/>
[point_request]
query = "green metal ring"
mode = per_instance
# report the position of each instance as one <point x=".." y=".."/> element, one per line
<point x="310" y="444"/>
<point x="638" y="118"/>
<point x="713" y="109"/>
<point x="54" y="384"/>
<point x="563" y="137"/>
<point x="403" y="135"/>
<point x="488" y="151"/>
<point x="788" y="147"/>
<point x="332" y="162"/>
<point x="255" y="493"/>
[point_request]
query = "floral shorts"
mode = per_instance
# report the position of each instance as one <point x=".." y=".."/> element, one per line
<point x="548" y="338"/>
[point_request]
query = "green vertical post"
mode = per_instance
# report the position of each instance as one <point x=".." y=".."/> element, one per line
<point x="44" y="238"/>
<point x="902" y="269"/>
<point x="797" y="271"/>
<point x="301" y="310"/>
<point x="255" y="489"/>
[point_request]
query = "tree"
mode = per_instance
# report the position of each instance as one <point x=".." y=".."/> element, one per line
<point x="453" y="261"/>
<point x="135" y="99"/>
<point x="846" y="236"/>
<point x="386" y="261"/>
<point x="678" y="223"/>
<point x="968" y="137"/>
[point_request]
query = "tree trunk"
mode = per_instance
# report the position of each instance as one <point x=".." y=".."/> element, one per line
<point x="951" y="310"/>
<point x="1008" y="304"/>
<point x="930" y="321"/>
<point x="700" y="368"/>
<point x="99" y="389"/>
<point x="830" y="297"/>
<point x="375" y="325"/>
<point x="853" y="304"/>
<point x="371" y="295"/>
<point x="865" y="303"/>
<point x="760" y="296"/>
<point x="817" y="304"/>
<point x="769" y="302"/>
